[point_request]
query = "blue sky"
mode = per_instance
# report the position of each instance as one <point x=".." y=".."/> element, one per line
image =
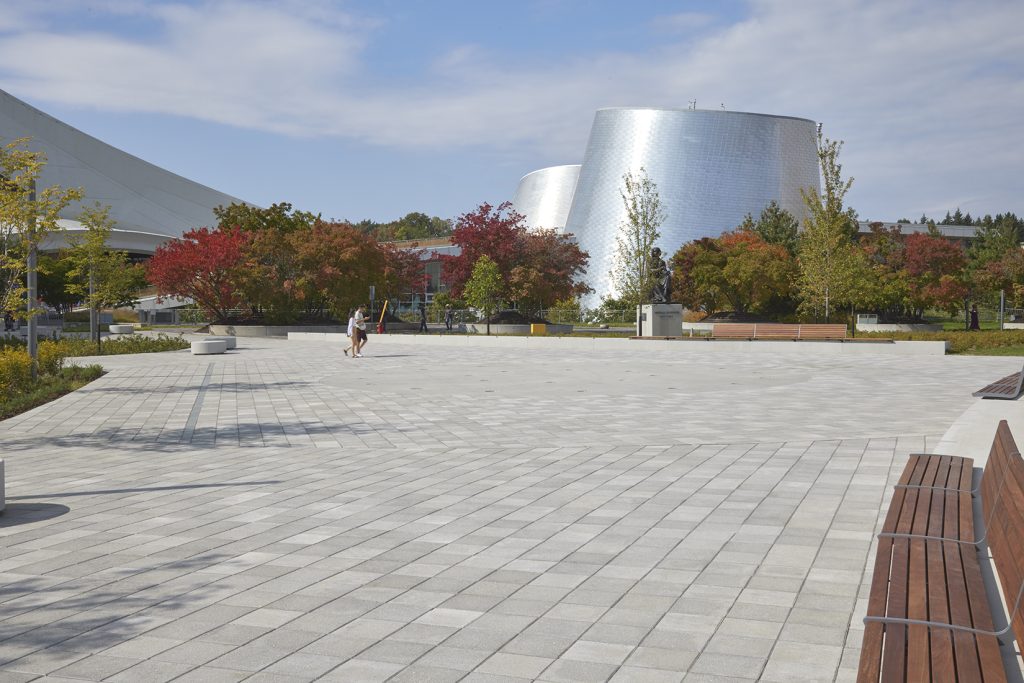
<point x="373" y="109"/>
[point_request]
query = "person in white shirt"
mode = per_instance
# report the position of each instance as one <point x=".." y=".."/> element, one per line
<point x="350" y="333"/>
<point x="359" y="340"/>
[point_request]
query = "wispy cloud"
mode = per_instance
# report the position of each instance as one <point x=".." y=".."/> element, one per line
<point x="918" y="86"/>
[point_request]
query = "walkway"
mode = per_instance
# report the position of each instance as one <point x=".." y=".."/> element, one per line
<point x="284" y="513"/>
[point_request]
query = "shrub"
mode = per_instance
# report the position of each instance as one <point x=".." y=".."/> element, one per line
<point x="959" y="341"/>
<point x="50" y="357"/>
<point x="15" y="371"/>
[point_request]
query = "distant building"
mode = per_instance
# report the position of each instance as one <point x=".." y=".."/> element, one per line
<point x="711" y="169"/>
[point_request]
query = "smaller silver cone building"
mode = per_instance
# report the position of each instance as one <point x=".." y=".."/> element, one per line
<point x="544" y="196"/>
<point x="711" y="169"/>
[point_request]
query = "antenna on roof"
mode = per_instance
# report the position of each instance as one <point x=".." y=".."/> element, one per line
<point x="693" y="104"/>
<point x="722" y="106"/>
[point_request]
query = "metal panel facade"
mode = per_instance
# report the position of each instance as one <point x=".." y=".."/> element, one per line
<point x="544" y="196"/>
<point x="711" y="168"/>
<point x="149" y="204"/>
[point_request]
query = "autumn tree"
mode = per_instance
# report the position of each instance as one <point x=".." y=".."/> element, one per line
<point x="336" y="265"/>
<point x="484" y="287"/>
<point x="738" y="268"/>
<point x="492" y="231"/>
<point x="203" y="266"/>
<point x="549" y="270"/>
<point x="638" y="234"/>
<point x="27" y="216"/>
<point x="402" y="271"/>
<point x="935" y="269"/>
<point x="829" y="262"/>
<point x="696" y="268"/>
<point x="536" y="268"/>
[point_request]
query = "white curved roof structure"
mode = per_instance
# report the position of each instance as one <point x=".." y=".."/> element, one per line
<point x="150" y="205"/>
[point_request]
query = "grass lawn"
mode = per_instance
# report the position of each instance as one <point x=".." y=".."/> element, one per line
<point x="48" y="388"/>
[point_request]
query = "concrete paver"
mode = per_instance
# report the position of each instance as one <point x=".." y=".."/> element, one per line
<point x="427" y="513"/>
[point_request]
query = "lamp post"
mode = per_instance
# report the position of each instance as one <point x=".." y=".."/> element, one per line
<point x="33" y="341"/>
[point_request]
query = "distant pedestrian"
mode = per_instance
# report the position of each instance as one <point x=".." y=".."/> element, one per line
<point x="974" y="318"/>
<point x="359" y="332"/>
<point x="350" y="333"/>
<point x="423" y="318"/>
<point x="449" y="316"/>
<point x="8" y="321"/>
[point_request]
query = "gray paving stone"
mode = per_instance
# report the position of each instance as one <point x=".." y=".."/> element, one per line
<point x="302" y="525"/>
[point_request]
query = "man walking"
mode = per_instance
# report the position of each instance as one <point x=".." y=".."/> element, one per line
<point x="359" y="340"/>
<point x="423" y="318"/>
<point x="448" y="317"/>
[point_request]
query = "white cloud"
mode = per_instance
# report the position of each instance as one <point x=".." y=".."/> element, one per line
<point x="917" y="88"/>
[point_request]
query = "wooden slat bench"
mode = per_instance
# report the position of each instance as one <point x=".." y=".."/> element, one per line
<point x="777" y="331"/>
<point x="928" y="615"/>
<point x="1008" y="387"/>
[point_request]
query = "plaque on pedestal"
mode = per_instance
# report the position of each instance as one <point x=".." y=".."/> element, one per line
<point x="660" y="320"/>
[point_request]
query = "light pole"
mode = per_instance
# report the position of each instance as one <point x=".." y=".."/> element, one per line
<point x="33" y="341"/>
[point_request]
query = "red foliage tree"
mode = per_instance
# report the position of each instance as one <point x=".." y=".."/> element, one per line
<point x="201" y="266"/>
<point x="402" y="271"/>
<point x="538" y="268"/>
<point x="935" y="272"/>
<point x="548" y="269"/>
<point x="336" y="264"/>
<point x="495" y="232"/>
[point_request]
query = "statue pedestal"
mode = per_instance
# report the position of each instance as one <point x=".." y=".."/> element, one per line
<point x="660" y="320"/>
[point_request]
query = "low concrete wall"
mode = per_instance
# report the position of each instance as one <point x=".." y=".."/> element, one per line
<point x="271" y="330"/>
<point x="685" y="345"/>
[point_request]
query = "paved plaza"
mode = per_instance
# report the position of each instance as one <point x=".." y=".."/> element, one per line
<point x="444" y="512"/>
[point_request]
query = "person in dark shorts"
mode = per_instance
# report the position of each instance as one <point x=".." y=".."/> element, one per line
<point x="423" y="318"/>
<point x="359" y="341"/>
<point x="449" y="317"/>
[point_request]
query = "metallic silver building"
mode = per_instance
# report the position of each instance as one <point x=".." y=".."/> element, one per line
<point x="545" y="196"/>
<point x="151" y="205"/>
<point x="711" y="168"/>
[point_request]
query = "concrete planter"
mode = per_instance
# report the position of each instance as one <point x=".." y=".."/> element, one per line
<point x="481" y="328"/>
<point x="121" y="329"/>
<point x="271" y="330"/>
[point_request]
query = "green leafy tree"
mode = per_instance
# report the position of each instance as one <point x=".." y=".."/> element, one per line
<point x="483" y="289"/>
<point x="775" y="225"/>
<point x="53" y="279"/>
<point x="828" y="259"/>
<point x="99" y="276"/>
<point x="27" y="216"/>
<point x="280" y="218"/>
<point x="638" y="234"/>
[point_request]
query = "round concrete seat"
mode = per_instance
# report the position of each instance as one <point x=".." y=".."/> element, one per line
<point x="122" y="329"/>
<point x="205" y="348"/>
<point x="232" y="342"/>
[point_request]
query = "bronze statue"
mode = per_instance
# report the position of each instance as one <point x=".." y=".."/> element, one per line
<point x="661" y="277"/>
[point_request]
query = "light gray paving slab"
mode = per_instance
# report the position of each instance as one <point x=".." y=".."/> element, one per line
<point x="428" y="513"/>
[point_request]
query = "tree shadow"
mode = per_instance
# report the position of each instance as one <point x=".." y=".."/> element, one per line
<point x="143" y="490"/>
<point x="132" y="601"/>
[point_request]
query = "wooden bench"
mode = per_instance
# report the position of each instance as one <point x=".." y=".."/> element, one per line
<point x="928" y="615"/>
<point x="777" y="331"/>
<point x="1008" y="387"/>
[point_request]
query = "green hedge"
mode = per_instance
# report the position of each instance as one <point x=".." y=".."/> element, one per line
<point x="71" y="347"/>
<point x="47" y="388"/>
